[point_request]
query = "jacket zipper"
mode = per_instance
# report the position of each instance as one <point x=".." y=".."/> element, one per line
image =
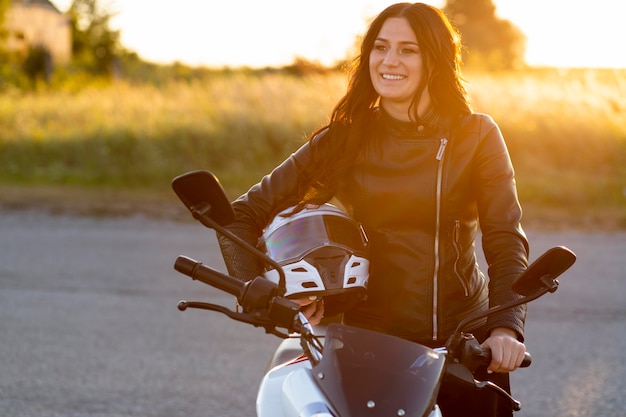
<point x="457" y="248"/>
<point x="439" y="157"/>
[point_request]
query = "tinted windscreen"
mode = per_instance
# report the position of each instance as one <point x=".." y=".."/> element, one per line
<point x="365" y="373"/>
<point x="296" y="239"/>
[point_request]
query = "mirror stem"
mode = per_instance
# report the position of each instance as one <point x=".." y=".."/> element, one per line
<point x="550" y="283"/>
<point x="456" y="336"/>
<point x="201" y="212"/>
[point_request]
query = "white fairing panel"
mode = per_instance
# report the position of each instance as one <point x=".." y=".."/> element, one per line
<point x="302" y="397"/>
<point x="268" y="401"/>
<point x="288" y="390"/>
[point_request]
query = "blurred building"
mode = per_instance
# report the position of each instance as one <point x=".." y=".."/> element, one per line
<point x="39" y="23"/>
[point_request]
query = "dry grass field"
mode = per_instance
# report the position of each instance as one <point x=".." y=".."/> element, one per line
<point x="566" y="131"/>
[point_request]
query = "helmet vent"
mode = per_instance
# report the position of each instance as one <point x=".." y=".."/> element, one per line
<point x="352" y="280"/>
<point x="355" y="264"/>
<point x="309" y="284"/>
<point x="299" y="269"/>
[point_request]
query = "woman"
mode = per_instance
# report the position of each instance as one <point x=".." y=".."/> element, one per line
<point x="405" y="156"/>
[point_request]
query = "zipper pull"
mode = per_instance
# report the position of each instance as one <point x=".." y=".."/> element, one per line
<point x="442" y="149"/>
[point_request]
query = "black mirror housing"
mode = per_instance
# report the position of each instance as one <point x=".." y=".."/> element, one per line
<point x="203" y="195"/>
<point x="544" y="271"/>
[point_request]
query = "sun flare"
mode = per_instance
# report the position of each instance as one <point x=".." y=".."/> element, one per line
<point x="569" y="33"/>
<point x="560" y="33"/>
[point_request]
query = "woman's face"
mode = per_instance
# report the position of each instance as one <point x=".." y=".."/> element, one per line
<point x="396" y="68"/>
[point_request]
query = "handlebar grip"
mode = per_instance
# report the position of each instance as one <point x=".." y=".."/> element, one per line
<point x="197" y="271"/>
<point x="486" y="355"/>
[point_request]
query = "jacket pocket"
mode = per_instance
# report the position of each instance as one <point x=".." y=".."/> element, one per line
<point x="456" y="242"/>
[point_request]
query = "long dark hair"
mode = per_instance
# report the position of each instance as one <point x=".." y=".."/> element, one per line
<point x="440" y="46"/>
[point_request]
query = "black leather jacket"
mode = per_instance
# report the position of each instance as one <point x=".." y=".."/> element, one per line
<point x="419" y="192"/>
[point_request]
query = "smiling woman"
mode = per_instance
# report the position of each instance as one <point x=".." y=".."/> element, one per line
<point x="562" y="33"/>
<point x="395" y="66"/>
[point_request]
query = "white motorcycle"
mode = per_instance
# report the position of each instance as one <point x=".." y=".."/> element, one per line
<point x="347" y="371"/>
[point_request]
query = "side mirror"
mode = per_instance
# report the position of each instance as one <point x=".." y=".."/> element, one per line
<point x="202" y="193"/>
<point x="542" y="273"/>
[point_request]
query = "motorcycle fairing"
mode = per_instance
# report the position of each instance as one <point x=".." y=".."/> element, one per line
<point x="365" y="373"/>
<point x="273" y="398"/>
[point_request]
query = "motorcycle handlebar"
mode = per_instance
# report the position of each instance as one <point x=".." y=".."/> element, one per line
<point x="254" y="295"/>
<point x="486" y="358"/>
<point x="200" y="272"/>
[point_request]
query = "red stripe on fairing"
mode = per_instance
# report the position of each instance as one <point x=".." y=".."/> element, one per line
<point x="301" y="358"/>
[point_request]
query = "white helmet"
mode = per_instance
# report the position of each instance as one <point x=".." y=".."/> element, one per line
<point x="321" y="249"/>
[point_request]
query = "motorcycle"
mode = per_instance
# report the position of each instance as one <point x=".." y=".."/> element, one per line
<point x="346" y="371"/>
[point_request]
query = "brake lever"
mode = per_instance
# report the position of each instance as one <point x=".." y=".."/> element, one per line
<point x="488" y="384"/>
<point x="256" y="319"/>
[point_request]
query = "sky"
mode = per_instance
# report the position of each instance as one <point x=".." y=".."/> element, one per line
<point x="259" y="33"/>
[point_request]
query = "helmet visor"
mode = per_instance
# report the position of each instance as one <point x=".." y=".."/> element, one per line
<point x="295" y="239"/>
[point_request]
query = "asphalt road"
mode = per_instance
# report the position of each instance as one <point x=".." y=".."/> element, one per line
<point x="89" y="325"/>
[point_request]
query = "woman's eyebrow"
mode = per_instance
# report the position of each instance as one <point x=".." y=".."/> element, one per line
<point x="401" y="42"/>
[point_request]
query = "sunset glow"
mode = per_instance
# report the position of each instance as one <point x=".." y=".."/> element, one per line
<point x="562" y="33"/>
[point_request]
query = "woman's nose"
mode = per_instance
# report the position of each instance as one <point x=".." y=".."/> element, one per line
<point x="391" y="58"/>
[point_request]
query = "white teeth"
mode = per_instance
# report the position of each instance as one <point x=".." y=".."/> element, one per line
<point x="393" y="77"/>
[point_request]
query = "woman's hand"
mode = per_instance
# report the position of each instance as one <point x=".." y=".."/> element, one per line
<point x="507" y="352"/>
<point x="313" y="309"/>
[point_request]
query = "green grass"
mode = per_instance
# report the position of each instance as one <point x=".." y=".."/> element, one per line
<point x="566" y="131"/>
<point x="131" y="136"/>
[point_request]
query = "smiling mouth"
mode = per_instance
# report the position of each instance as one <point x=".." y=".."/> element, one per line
<point x="393" y="77"/>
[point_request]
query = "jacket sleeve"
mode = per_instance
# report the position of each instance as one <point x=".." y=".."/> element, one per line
<point x="280" y="189"/>
<point x="504" y="242"/>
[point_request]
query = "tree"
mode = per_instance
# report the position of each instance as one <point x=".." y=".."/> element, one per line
<point x="37" y="64"/>
<point x="94" y="45"/>
<point x="4" y="6"/>
<point x="490" y="42"/>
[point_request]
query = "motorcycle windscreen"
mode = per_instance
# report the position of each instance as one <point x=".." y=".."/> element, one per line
<point x="365" y="373"/>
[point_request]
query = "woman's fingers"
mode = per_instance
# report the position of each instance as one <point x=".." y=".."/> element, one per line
<point x="314" y="311"/>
